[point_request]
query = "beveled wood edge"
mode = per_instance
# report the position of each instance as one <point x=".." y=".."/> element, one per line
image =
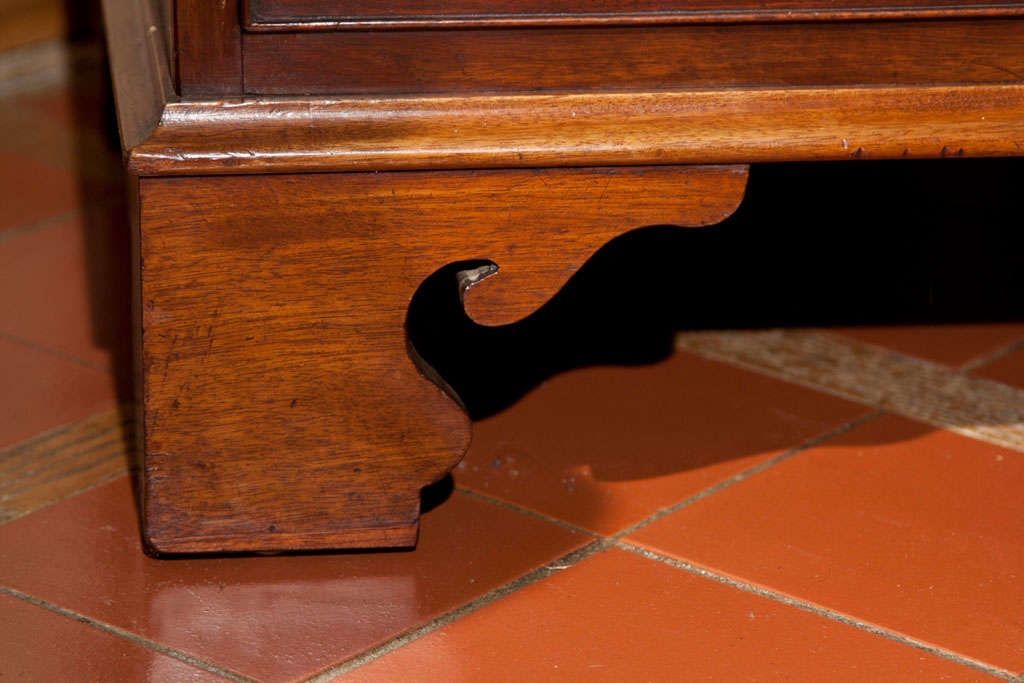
<point x="162" y="135"/>
<point x="627" y="19"/>
<point x="732" y="126"/>
<point x="140" y="65"/>
<point x="391" y="536"/>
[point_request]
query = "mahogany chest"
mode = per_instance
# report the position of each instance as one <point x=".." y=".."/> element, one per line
<point x="303" y="167"/>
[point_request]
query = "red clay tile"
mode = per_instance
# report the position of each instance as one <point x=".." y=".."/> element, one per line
<point x="273" y="618"/>
<point x="67" y="287"/>
<point x="82" y="104"/>
<point x="41" y="391"/>
<point x="952" y="345"/>
<point x="90" y="156"/>
<point x="38" y="645"/>
<point x="33" y="191"/>
<point x="1009" y="369"/>
<point x="918" y="530"/>
<point x="603" y="448"/>
<point x="620" y="617"/>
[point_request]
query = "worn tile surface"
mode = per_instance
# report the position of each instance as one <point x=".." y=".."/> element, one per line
<point x="34" y="192"/>
<point x="618" y="617"/>
<point x="42" y="391"/>
<point x="896" y="523"/>
<point x="273" y="618"/>
<point x="888" y="551"/>
<point x="38" y="645"/>
<point x="605" y="447"/>
<point x="63" y="287"/>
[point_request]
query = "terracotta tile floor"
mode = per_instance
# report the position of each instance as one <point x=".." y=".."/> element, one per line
<point x="840" y="504"/>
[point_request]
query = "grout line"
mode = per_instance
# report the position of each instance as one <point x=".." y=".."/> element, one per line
<point x="42" y="437"/>
<point x="15" y="516"/>
<point x="994" y="356"/>
<point x="913" y="387"/>
<point x="55" y="352"/>
<point x="961" y="370"/>
<point x="745" y="474"/>
<point x="105" y="430"/>
<point x="16" y="484"/>
<point x="65" y="461"/>
<point x="127" y="635"/>
<point x="664" y="512"/>
<point x="600" y="544"/>
<point x="25" y="228"/>
<point x="820" y="611"/>
<point x="593" y="548"/>
<point x="527" y="511"/>
<point x="124" y="412"/>
<point x="108" y="436"/>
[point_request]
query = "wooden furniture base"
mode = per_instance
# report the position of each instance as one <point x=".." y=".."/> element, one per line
<point x="304" y="166"/>
<point x="284" y="407"/>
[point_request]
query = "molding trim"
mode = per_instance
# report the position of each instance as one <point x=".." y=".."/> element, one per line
<point x="164" y="135"/>
<point x="287" y="135"/>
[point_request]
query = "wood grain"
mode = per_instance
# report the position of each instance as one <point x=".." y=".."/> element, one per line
<point x="140" y="65"/>
<point x="164" y="136"/>
<point x="209" y="47"/>
<point x="280" y="239"/>
<point x="517" y="131"/>
<point x="282" y="410"/>
<point x="636" y="58"/>
<point x="320" y="15"/>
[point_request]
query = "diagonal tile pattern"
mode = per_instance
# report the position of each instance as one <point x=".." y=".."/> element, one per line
<point x="65" y="461"/>
<point x="918" y="530"/>
<point x="582" y="635"/>
<point x="269" y="618"/>
<point x="863" y="372"/>
<point x="798" y="504"/>
<point x="39" y="645"/>
<point x="44" y="390"/>
<point x="79" y="309"/>
<point x="603" y="448"/>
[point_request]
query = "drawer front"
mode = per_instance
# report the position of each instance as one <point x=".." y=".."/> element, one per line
<point x="341" y="14"/>
<point x="634" y="58"/>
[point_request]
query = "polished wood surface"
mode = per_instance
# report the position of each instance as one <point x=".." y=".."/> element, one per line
<point x="282" y="408"/>
<point x="688" y="127"/>
<point x="634" y="58"/>
<point x="305" y="179"/>
<point x="209" y="47"/>
<point x="321" y="15"/>
<point x="141" y="65"/>
<point x="164" y="134"/>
